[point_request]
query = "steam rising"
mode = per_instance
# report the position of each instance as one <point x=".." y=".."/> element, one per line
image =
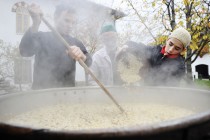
<point x="90" y="16"/>
<point x="144" y="68"/>
<point x="87" y="18"/>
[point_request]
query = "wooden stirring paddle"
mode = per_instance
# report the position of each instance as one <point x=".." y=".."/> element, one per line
<point x="81" y="62"/>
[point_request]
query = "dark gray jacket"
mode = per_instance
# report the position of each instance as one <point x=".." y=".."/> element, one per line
<point x="156" y="70"/>
<point x="52" y="67"/>
<point x="162" y="70"/>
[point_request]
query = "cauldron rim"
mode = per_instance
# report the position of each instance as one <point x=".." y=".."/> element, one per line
<point x="166" y="126"/>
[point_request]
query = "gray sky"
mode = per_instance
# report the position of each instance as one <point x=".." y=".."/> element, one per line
<point x="122" y="25"/>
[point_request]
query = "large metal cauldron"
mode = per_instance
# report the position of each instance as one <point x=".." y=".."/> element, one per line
<point x="194" y="127"/>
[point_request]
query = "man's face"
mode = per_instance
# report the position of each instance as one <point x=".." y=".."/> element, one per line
<point x="65" y="22"/>
<point x="109" y="39"/>
<point x="174" y="46"/>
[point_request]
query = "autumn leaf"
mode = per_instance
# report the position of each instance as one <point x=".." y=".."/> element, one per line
<point x="205" y="37"/>
<point x="194" y="45"/>
<point x="181" y="23"/>
<point x="153" y="4"/>
<point x="186" y="2"/>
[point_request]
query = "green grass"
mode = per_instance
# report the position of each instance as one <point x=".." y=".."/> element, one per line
<point x="203" y="83"/>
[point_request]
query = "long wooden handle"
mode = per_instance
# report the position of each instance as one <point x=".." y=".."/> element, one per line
<point x="81" y="62"/>
<point x="100" y="84"/>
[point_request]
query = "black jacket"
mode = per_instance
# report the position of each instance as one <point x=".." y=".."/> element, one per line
<point x="52" y="67"/>
<point x="162" y="70"/>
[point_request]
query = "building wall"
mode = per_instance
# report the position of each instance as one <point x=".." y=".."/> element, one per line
<point x="8" y="18"/>
<point x="204" y="60"/>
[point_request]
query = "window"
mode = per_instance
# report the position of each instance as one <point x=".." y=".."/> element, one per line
<point x="22" y="17"/>
<point x="22" y="20"/>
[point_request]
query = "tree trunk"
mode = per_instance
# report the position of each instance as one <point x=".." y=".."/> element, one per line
<point x="188" y="65"/>
<point x="189" y="50"/>
<point x="173" y="20"/>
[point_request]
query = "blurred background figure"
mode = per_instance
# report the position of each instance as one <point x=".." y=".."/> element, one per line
<point x="104" y="65"/>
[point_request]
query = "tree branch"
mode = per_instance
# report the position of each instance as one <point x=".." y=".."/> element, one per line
<point x="141" y="19"/>
<point x="200" y="49"/>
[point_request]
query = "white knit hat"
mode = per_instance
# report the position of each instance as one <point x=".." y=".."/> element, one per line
<point x="182" y="35"/>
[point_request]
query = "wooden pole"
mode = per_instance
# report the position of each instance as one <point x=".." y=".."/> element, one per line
<point x="81" y="62"/>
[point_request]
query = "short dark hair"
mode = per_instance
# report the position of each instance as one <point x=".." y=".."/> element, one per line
<point x="63" y="7"/>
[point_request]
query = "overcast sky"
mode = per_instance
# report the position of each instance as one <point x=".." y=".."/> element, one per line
<point x="8" y="17"/>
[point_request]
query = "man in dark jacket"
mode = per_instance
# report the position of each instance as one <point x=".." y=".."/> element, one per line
<point x="164" y="70"/>
<point x="163" y="65"/>
<point x="54" y="65"/>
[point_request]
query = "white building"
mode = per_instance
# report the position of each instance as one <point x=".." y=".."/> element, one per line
<point x="201" y="67"/>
